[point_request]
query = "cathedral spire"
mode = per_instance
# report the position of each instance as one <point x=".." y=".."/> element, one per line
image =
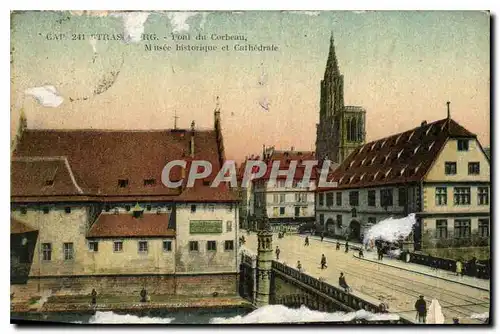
<point x="332" y="67"/>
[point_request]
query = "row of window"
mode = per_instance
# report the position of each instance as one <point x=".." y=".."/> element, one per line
<point x="142" y="247"/>
<point x="210" y="208"/>
<point x="299" y="197"/>
<point x="462" y="228"/>
<point x="107" y="208"/>
<point x="123" y="183"/>
<point x="295" y="184"/>
<point x="461" y="196"/>
<point x="211" y="245"/>
<point x="371" y="220"/>
<point x="386" y="198"/>
<point x="450" y="168"/>
<point x="299" y="211"/>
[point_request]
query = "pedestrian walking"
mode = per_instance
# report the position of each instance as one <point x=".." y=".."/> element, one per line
<point x="323" y="261"/>
<point x="278" y="251"/>
<point x="338" y="246"/>
<point x="421" y="308"/>
<point x="455" y="321"/>
<point x="322" y="236"/>
<point x="299" y="266"/>
<point x="306" y="243"/>
<point x="94" y="296"/>
<point x="347" y="246"/>
<point x="343" y="283"/>
<point x="144" y="294"/>
<point x="360" y="254"/>
<point x="459" y="268"/>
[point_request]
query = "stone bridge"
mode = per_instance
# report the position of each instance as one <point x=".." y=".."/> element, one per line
<point x="293" y="288"/>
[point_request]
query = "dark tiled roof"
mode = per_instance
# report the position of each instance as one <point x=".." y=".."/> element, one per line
<point x="41" y="176"/>
<point x="17" y="227"/>
<point x="400" y="158"/>
<point x="110" y="225"/>
<point x="97" y="159"/>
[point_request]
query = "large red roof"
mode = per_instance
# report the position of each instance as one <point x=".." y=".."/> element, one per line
<point x="109" y="225"/>
<point x="400" y="158"/>
<point x="91" y="162"/>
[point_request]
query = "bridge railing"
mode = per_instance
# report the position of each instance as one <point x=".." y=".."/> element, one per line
<point x="480" y="270"/>
<point x="333" y="292"/>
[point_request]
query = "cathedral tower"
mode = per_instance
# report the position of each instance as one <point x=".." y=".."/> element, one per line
<point x="341" y="128"/>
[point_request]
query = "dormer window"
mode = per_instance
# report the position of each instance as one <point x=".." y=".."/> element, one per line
<point x="123" y="183"/>
<point x="386" y="158"/>
<point x="411" y="135"/>
<point x="373" y="160"/>
<point x="388" y="172"/>
<point x="383" y="143"/>
<point x="397" y="139"/>
<point x="362" y="176"/>
<point x="373" y="146"/>
<point x="375" y="175"/>
<point x="363" y="162"/>
<point x="402" y="171"/>
<point x="430" y="146"/>
<point x="400" y="152"/>
<point x="149" y="182"/>
<point x="428" y="130"/>
<point x="416" y="149"/>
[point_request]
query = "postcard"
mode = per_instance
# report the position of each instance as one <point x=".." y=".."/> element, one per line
<point x="249" y="167"/>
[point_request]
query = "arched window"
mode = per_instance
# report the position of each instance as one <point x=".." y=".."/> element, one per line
<point x="360" y="130"/>
<point x="348" y="128"/>
<point x="353" y="130"/>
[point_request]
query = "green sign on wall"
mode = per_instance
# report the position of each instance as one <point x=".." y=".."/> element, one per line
<point x="205" y="226"/>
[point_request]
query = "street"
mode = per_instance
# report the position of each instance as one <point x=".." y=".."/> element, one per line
<point x="398" y="288"/>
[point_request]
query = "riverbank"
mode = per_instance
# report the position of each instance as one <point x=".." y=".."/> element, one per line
<point x="81" y="303"/>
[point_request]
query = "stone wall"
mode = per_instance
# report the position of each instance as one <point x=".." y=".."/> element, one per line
<point x="186" y="285"/>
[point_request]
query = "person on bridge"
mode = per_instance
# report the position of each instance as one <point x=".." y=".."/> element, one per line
<point x="306" y="243"/>
<point x="299" y="266"/>
<point x="338" y="246"/>
<point x="421" y="308"/>
<point x="278" y="251"/>
<point x="459" y="268"/>
<point x="323" y="261"/>
<point x="347" y="246"/>
<point x="343" y="283"/>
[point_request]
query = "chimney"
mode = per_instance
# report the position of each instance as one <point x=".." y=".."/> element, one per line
<point x="291" y="149"/>
<point x="217" y="115"/>
<point x="263" y="151"/>
<point x="448" y="107"/>
<point x="424" y="123"/>
<point x="192" y="140"/>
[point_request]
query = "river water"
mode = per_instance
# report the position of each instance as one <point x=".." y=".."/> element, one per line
<point x="198" y="316"/>
<point x="266" y="314"/>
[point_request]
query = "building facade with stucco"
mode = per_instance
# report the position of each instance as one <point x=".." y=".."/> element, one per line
<point x="104" y="219"/>
<point x="438" y="171"/>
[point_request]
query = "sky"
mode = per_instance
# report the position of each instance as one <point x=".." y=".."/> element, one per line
<point x="402" y="67"/>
